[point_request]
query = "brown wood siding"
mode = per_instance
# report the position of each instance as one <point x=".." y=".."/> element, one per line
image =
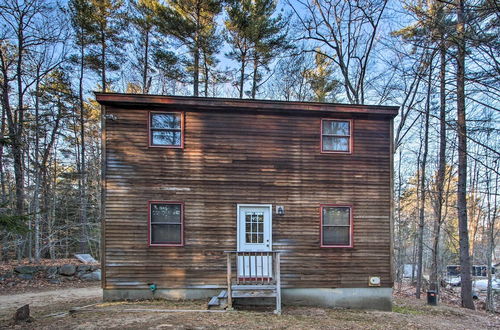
<point x="232" y="158"/>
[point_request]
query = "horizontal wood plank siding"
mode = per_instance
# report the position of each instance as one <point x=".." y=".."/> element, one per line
<point x="247" y="158"/>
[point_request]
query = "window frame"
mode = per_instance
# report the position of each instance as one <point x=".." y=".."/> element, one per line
<point x="351" y="225"/>
<point x="350" y="136"/>
<point x="150" y="232"/>
<point x="151" y="129"/>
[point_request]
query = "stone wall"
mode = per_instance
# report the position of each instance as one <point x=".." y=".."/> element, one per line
<point x="54" y="274"/>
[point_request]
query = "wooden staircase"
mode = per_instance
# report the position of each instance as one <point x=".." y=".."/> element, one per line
<point x="265" y="284"/>
<point x="219" y="301"/>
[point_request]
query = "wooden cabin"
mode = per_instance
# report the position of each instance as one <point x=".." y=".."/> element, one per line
<point x="209" y="197"/>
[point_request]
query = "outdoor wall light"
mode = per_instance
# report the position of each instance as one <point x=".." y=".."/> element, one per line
<point x="280" y="210"/>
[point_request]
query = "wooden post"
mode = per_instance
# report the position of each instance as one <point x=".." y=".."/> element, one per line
<point x="229" y="289"/>
<point x="278" y="284"/>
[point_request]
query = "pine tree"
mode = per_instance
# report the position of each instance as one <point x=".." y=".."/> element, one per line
<point x="142" y="19"/>
<point x="320" y="78"/>
<point x="85" y="33"/>
<point x="193" y="24"/>
<point x="257" y="35"/>
<point x="107" y="55"/>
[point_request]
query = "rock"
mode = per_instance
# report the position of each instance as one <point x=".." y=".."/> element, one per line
<point x="94" y="276"/>
<point x="67" y="270"/>
<point x="5" y="276"/>
<point x="51" y="271"/>
<point x="22" y="313"/>
<point x="26" y="269"/>
<point x="55" y="281"/>
<point x="95" y="267"/>
<point x="83" y="268"/>
<point x="26" y="277"/>
<point x="85" y="258"/>
<point x="41" y="268"/>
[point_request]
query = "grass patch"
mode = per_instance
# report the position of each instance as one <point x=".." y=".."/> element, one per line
<point x="406" y="310"/>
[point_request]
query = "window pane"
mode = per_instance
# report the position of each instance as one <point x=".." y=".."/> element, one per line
<point x="254" y="227"/>
<point x="336" y="235"/>
<point x="339" y="216"/>
<point x="166" y="213"/>
<point x="335" y="127"/>
<point x="332" y="143"/>
<point x="165" y="120"/>
<point x="165" y="234"/>
<point x="260" y="238"/>
<point x="166" y="138"/>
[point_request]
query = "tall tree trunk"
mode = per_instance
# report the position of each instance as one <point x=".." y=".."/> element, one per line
<point x="206" y="73"/>
<point x="465" y="265"/>
<point x="145" y="70"/>
<point x="255" y="76"/>
<point x="3" y="199"/>
<point x="103" y="59"/>
<point x="242" y="74"/>
<point x="434" y="279"/>
<point x="36" y="190"/>
<point x="422" y="185"/>
<point x="196" y="53"/>
<point x="492" y="214"/>
<point x="83" y="193"/>
<point x="17" y="143"/>
<point x="400" y="263"/>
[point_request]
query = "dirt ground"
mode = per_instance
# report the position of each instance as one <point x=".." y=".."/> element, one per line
<point x="58" y="309"/>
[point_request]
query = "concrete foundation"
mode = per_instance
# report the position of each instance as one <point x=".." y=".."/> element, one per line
<point x="170" y="294"/>
<point x="356" y="298"/>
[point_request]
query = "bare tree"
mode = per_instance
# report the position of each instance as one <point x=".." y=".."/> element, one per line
<point x="465" y="264"/>
<point x="345" y="32"/>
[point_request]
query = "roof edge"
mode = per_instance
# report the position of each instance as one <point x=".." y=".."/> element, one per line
<point x="126" y="99"/>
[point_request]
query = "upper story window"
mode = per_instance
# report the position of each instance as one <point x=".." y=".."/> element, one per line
<point x="166" y="223"/>
<point x="336" y="135"/>
<point x="166" y="129"/>
<point x="336" y="226"/>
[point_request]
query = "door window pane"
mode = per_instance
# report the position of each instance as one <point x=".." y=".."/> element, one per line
<point x="254" y="226"/>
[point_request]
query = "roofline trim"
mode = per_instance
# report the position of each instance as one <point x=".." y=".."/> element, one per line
<point x="124" y="99"/>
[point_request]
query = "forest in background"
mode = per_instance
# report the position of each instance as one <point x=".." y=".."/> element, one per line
<point x="437" y="60"/>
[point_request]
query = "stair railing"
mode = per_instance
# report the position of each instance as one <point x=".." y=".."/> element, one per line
<point x="260" y="269"/>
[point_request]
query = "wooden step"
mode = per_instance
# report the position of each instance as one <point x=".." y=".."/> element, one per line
<point x="219" y="301"/>
<point x="254" y="293"/>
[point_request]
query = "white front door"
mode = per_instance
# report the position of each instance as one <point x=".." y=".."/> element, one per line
<point x="254" y="235"/>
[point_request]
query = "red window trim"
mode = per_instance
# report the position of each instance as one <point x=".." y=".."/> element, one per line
<point x="351" y="224"/>
<point x="149" y="222"/>
<point x="351" y="137"/>
<point x="150" y="140"/>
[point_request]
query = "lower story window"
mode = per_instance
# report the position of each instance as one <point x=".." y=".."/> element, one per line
<point x="336" y="226"/>
<point x="166" y="223"/>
